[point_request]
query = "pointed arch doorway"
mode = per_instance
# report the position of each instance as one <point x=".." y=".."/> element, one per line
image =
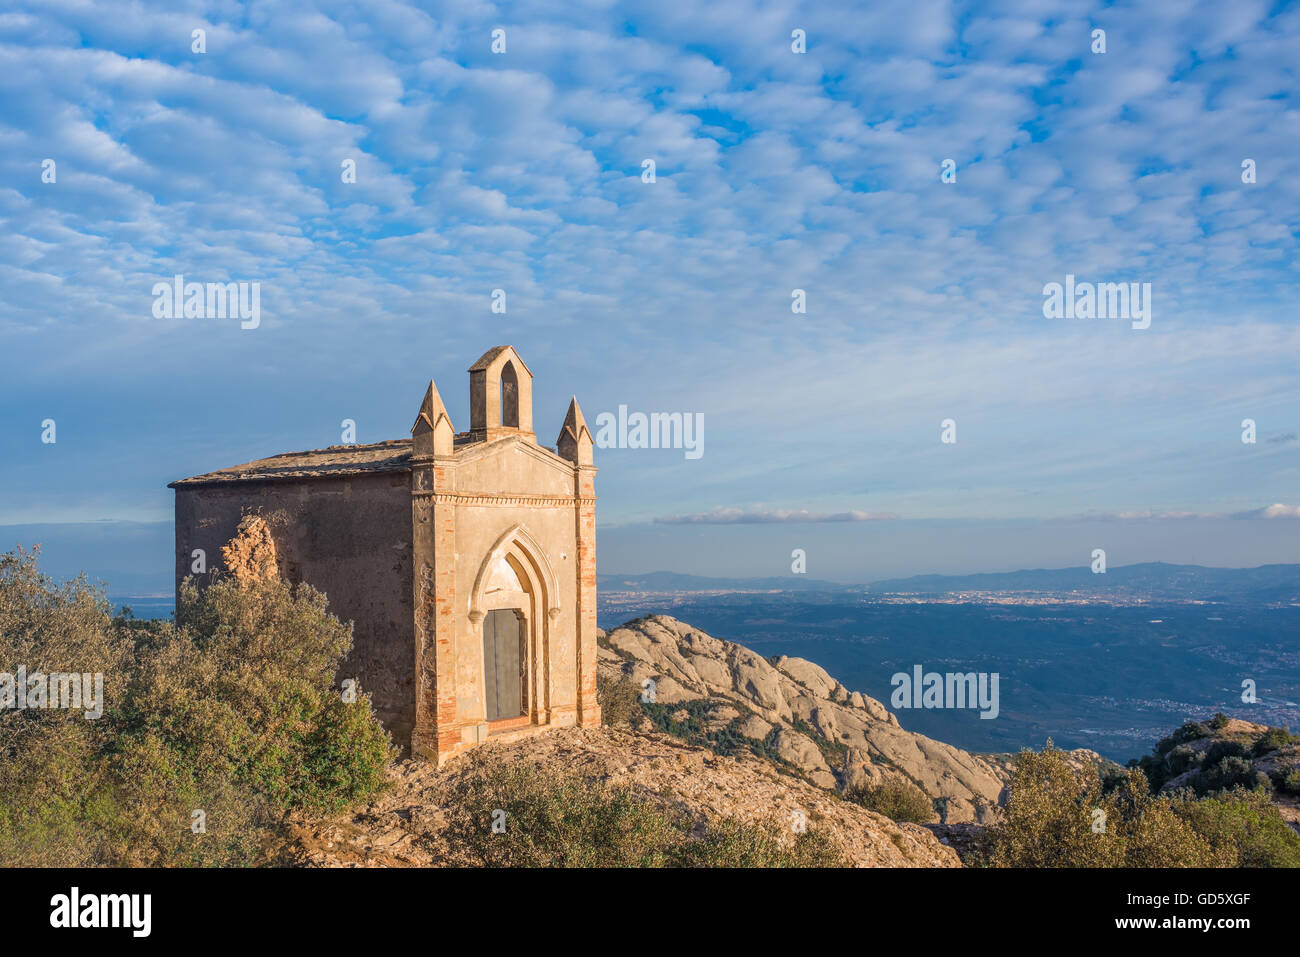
<point x="512" y="605"/>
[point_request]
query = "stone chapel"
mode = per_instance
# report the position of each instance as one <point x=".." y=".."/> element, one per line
<point x="465" y="560"/>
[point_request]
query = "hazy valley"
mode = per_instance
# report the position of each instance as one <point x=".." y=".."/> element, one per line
<point x="1111" y="669"/>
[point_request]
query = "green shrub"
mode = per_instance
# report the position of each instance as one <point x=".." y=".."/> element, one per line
<point x="1058" y="816"/>
<point x="547" y="818"/>
<point x="1173" y="755"/>
<point x="732" y="843"/>
<point x="895" y="798"/>
<point x="689" y="720"/>
<point x="1051" y="821"/>
<point x="230" y="719"/>
<point x="619" y="700"/>
<point x="1191" y="731"/>
<point x="1224" y="749"/>
<point x="1182" y="758"/>
<point x="1287" y="780"/>
<point x="1047" y="821"/>
<point x="1224" y="775"/>
<point x="1273" y="739"/>
<point x="247" y="688"/>
<point x="1244" y="828"/>
<point x="1224" y="765"/>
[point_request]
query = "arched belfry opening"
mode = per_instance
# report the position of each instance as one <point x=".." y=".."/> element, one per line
<point x="500" y="396"/>
<point x="509" y="396"/>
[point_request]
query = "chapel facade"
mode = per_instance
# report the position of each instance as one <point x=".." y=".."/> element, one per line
<point x="465" y="560"/>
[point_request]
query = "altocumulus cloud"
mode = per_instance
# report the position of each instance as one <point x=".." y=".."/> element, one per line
<point x="1272" y="511"/>
<point x="775" y="171"/>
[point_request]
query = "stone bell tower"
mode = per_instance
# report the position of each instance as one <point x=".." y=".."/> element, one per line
<point x="500" y="396"/>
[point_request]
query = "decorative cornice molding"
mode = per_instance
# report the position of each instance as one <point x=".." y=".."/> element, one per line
<point x="505" y="500"/>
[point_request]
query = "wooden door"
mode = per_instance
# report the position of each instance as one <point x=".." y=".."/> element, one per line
<point x="503" y="663"/>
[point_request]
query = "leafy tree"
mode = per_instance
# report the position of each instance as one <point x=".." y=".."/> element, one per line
<point x="211" y="732"/>
<point x="1059" y="816"/>
<point x="1243" y="827"/>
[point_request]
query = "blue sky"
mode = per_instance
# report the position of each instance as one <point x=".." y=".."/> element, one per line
<point x="774" y="171"/>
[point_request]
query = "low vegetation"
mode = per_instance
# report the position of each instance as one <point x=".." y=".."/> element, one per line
<point x="215" y="730"/>
<point x="1209" y="760"/>
<point x="895" y="798"/>
<point x="618" y="699"/>
<point x="1058" y="815"/>
<point x="211" y="732"/>
<point x="520" y="816"/>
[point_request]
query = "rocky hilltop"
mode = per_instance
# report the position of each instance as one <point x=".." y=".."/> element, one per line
<point x="406" y="825"/>
<point x="789" y="710"/>
<point x="730" y="736"/>
<point x="1228" y="752"/>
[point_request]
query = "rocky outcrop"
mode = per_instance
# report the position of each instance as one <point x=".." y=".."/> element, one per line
<point x="403" y="827"/>
<point x="1227" y="752"/>
<point x="794" y="713"/>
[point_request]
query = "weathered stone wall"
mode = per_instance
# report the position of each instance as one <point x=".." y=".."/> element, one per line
<point x="349" y="537"/>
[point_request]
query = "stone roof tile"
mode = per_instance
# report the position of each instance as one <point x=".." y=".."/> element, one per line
<point x="390" y="456"/>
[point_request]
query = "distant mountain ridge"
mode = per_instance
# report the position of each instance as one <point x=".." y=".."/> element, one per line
<point x="1154" y="579"/>
<point x="673" y="581"/>
<point x="1274" y="583"/>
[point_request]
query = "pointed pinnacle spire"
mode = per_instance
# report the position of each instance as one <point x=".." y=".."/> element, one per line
<point x="573" y="420"/>
<point x="432" y="430"/>
<point x="430" y="410"/>
<point x="432" y="403"/>
<point x="571" y="444"/>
